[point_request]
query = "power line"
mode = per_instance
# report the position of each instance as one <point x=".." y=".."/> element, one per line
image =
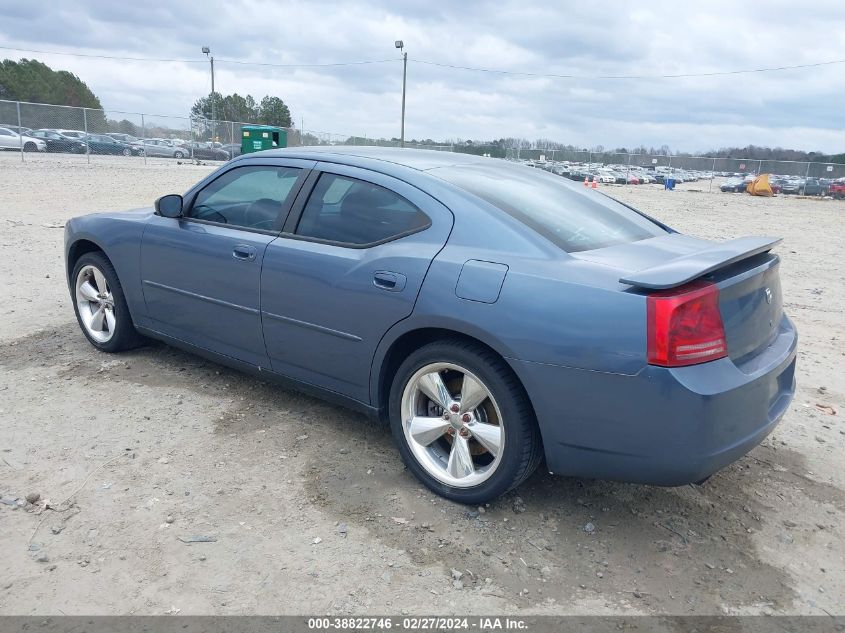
<point x="674" y="76"/>
<point x="432" y="63"/>
<point x="197" y="61"/>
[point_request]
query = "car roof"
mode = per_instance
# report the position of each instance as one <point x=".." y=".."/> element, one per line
<point x="419" y="159"/>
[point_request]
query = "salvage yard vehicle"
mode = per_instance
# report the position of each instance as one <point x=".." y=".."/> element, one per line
<point x="102" y="144"/>
<point x="59" y="143"/>
<point x="734" y="185"/>
<point x="494" y="315"/>
<point x="165" y="148"/>
<point x="12" y="140"/>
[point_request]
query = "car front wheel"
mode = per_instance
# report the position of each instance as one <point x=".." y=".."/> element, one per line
<point x="462" y="422"/>
<point x="178" y="154"/>
<point x="100" y="305"/>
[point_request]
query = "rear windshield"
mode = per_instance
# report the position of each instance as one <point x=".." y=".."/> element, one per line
<point x="573" y="219"/>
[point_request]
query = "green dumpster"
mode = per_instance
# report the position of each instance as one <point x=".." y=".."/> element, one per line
<point x="255" y="138"/>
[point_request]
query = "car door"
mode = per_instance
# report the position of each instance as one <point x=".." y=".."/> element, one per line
<point x="348" y="266"/>
<point x="8" y="140"/>
<point x="201" y="272"/>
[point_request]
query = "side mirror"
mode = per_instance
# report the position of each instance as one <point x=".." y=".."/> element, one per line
<point x="169" y="206"/>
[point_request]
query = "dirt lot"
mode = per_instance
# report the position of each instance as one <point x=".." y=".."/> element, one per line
<point x="309" y="504"/>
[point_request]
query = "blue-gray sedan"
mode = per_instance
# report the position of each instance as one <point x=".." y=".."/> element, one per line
<point x="494" y="314"/>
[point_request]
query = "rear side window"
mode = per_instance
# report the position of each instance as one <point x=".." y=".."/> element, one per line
<point x="355" y="212"/>
<point x="574" y="220"/>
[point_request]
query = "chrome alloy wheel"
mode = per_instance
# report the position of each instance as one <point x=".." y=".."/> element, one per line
<point x="452" y="424"/>
<point x="95" y="304"/>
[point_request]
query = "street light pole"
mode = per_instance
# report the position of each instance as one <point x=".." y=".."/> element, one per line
<point x="207" y="51"/>
<point x="401" y="46"/>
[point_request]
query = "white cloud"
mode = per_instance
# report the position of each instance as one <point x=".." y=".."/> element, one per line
<point x="797" y="108"/>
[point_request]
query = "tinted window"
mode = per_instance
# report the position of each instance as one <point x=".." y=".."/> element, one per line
<point x="573" y="219"/>
<point x="4" y="132"/>
<point x="250" y="197"/>
<point x="343" y="209"/>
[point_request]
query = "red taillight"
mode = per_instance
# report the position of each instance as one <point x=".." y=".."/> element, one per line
<point x="685" y="326"/>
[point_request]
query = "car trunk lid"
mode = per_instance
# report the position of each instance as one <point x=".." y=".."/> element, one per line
<point x="745" y="272"/>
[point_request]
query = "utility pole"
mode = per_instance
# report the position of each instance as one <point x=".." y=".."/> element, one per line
<point x="401" y="46"/>
<point x="207" y="51"/>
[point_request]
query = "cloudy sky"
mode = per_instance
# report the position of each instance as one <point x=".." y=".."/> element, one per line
<point x="799" y="108"/>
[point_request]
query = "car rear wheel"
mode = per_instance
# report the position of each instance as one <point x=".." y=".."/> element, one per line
<point x="127" y="151"/>
<point x="100" y="305"/>
<point x="178" y="154"/>
<point x="462" y="422"/>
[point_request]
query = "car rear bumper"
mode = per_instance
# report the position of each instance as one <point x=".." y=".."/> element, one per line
<point x="661" y="426"/>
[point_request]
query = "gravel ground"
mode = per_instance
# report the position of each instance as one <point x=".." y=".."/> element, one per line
<point x="309" y="505"/>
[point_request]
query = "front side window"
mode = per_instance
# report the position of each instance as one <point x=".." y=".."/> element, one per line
<point x="248" y="197"/>
<point x="352" y="211"/>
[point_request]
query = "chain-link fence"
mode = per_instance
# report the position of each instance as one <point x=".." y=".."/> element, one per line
<point x="98" y="136"/>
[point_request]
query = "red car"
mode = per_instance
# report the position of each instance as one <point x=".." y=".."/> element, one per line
<point x="837" y="189"/>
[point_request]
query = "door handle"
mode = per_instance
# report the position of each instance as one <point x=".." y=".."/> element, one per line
<point x="388" y="280"/>
<point x="243" y="252"/>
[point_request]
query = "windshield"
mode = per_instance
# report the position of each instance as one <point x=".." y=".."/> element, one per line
<point x="572" y="219"/>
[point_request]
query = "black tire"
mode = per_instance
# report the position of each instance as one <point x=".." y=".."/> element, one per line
<point x="127" y="151"/>
<point x="523" y="450"/>
<point x="29" y="146"/>
<point x="125" y="336"/>
<point x="178" y="154"/>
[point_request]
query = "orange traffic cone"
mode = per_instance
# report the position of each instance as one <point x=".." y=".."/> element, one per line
<point x="586" y="181"/>
<point x="595" y="184"/>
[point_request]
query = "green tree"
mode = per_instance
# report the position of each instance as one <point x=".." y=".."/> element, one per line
<point x="30" y="80"/>
<point x="273" y="111"/>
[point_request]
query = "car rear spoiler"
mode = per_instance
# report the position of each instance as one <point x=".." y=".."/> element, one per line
<point x="680" y="270"/>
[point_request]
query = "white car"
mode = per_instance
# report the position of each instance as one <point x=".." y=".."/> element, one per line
<point x="605" y="177"/>
<point x="13" y="140"/>
<point x="77" y="134"/>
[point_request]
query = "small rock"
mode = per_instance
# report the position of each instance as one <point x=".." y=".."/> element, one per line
<point x="545" y="570"/>
<point x="589" y="528"/>
<point x="472" y="514"/>
<point x="709" y="566"/>
<point x="637" y="594"/>
<point x="202" y="557"/>
<point x="317" y="541"/>
<point x="57" y="529"/>
<point x="728" y="570"/>
<point x="42" y="558"/>
<point x="456" y="575"/>
<point x="342" y="529"/>
<point x="599" y="574"/>
<point x="481" y="510"/>
<point x="33" y="497"/>
<point x="169" y="519"/>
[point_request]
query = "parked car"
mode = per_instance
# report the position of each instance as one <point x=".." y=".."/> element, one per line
<point x="206" y="151"/>
<point x="102" y="144"/>
<point x="805" y="187"/>
<point x="13" y="140"/>
<point x="232" y="149"/>
<point x="165" y="148"/>
<point x="60" y="143"/>
<point x="404" y="283"/>
<point x="79" y="134"/>
<point x="734" y="185"/>
<point x="837" y="189"/>
<point x="814" y="187"/>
